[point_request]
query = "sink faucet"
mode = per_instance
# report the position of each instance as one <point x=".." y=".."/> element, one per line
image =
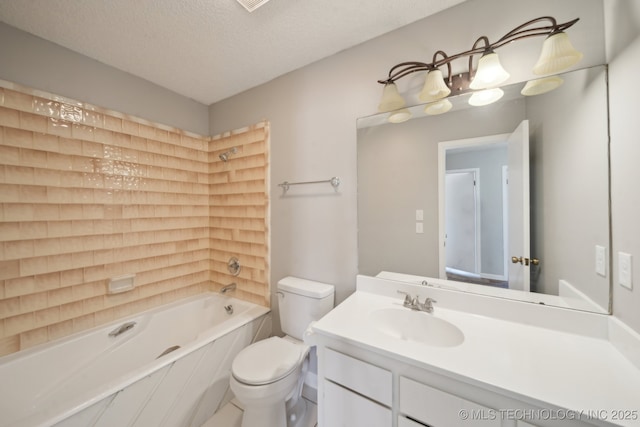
<point x="415" y="304"/>
<point x="228" y="288"/>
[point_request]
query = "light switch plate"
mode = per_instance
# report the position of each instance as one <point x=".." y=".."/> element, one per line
<point x="419" y="215"/>
<point x="601" y="261"/>
<point x="624" y="270"/>
<point x="419" y="228"/>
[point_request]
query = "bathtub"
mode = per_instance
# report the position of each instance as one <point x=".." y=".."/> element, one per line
<point x="167" y="367"/>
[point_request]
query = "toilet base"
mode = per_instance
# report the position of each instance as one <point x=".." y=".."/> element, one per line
<point x="289" y="415"/>
<point x="265" y="416"/>
<point x="296" y="411"/>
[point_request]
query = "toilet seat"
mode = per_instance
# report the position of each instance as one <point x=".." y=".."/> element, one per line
<point x="251" y="367"/>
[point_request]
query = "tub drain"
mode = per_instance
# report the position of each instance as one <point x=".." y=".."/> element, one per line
<point x="169" y="350"/>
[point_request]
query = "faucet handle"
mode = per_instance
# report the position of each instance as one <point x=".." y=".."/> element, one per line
<point x="427" y="305"/>
<point x="407" y="298"/>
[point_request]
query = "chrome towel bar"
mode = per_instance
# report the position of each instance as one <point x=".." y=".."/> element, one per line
<point x="335" y="182"/>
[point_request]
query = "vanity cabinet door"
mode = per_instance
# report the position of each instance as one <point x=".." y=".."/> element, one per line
<point x="436" y="408"/>
<point x="344" y="408"/>
<point x="362" y="377"/>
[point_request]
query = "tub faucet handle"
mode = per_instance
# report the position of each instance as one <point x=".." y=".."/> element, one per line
<point x="228" y="288"/>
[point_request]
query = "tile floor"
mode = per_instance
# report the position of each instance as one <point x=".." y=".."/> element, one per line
<point x="230" y="415"/>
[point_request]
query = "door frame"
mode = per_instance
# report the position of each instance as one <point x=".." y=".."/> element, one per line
<point x="477" y="215"/>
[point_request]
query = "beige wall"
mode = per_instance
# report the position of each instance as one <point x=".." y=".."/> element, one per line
<point x="86" y="195"/>
<point x="623" y="54"/>
<point x="313" y="113"/>
<point x="40" y="64"/>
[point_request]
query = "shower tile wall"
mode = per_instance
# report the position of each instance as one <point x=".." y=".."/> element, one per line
<point x="239" y="206"/>
<point x="86" y="195"/>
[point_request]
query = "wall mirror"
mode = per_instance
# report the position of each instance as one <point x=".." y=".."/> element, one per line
<point x="509" y="199"/>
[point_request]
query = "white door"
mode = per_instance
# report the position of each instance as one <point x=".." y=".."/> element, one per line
<point x="461" y="220"/>
<point x="518" y="194"/>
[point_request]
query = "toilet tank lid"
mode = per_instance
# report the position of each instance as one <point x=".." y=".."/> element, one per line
<point x="307" y="288"/>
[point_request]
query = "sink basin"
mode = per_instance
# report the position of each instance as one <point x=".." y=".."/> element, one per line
<point x="417" y="326"/>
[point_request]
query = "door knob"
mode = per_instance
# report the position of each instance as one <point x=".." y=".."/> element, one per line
<point x="525" y="261"/>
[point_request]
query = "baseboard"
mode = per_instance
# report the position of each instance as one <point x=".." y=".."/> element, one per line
<point x="310" y="387"/>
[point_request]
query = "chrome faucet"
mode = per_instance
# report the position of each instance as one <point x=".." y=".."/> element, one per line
<point x="230" y="287"/>
<point x="415" y="304"/>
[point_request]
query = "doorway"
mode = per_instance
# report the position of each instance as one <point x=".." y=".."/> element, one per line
<point x="462" y="221"/>
<point x="501" y="205"/>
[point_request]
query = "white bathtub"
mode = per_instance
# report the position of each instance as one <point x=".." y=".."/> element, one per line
<point x="94" y="379"/>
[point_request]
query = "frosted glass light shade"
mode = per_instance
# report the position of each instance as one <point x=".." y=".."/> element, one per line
<point x="434" y="87"/>
<point x="391" y="99"/>
<point x="557" y="54"/>
<point x="490" y="72"/>
<point x="439" y="107"/>
<point x="486" y="97"/>
<point x="540" y="86"/>
<point x="399" y="116"/>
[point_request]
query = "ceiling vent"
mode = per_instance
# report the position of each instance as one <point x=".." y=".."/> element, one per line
<point x="252" y="5"/>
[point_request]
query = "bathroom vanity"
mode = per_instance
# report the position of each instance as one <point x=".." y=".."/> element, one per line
<point x="475" y="361"/>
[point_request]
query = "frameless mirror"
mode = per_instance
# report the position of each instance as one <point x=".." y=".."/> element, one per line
<point x="509" y="199"/>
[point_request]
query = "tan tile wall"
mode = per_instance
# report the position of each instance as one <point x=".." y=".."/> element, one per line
<point x="86" y="195"/>
<point x="239" y="211"/>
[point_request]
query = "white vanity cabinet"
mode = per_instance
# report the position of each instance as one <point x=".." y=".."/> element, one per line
<point x="436" y="408"/>
<point x="355" y="393"/>
<point x="362" y="388"/>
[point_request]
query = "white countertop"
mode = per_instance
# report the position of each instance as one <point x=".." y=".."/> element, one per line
<point x="538" y="365"/>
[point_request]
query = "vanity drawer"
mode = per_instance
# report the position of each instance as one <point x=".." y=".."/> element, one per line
<point x="362" y="377"/>
<point x="344" y="408"/>
<point x="436" y="408"/>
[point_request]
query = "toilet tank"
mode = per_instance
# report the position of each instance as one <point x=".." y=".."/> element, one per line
<point x="302" y="301"/>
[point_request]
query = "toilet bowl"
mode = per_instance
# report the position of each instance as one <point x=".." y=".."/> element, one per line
<point x="267" y="377"/>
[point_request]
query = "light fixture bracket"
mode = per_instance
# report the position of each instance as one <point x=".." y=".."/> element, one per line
<point x="533" y="28"/>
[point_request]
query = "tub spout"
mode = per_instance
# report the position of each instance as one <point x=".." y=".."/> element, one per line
<point x="122" y="329"/>
<point x="228" y="288"/>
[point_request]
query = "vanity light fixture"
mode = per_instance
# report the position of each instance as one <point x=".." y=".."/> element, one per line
<point x="435" y="87"/>
<point x="485" y="97"/>
<point x="540" y="86"/>
<point x="438" y="107"/>
<point x="557" y="54"/>
<point x="489" y="73"/>
<point x="394" y="102"/>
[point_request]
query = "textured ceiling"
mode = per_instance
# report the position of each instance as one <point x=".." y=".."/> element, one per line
<point x="209" y="50"/>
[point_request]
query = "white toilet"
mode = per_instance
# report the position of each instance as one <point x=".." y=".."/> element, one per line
<point x="267" y="376"/>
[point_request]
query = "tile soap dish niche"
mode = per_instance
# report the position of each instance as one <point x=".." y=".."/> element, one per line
<point x="121" y="284"/>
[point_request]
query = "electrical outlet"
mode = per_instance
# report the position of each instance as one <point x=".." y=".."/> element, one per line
<point x="419" y="228"/>
<point x="601" y="261"/>
<point x="624" y="270"/>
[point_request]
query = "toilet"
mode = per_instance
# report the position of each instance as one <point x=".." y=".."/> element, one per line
<point x="267" y="376"/>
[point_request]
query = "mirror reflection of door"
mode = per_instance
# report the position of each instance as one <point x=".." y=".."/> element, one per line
<point x="518" y="207"/>
<point x="502" y="210"/>
<point x="462" y="213"/>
